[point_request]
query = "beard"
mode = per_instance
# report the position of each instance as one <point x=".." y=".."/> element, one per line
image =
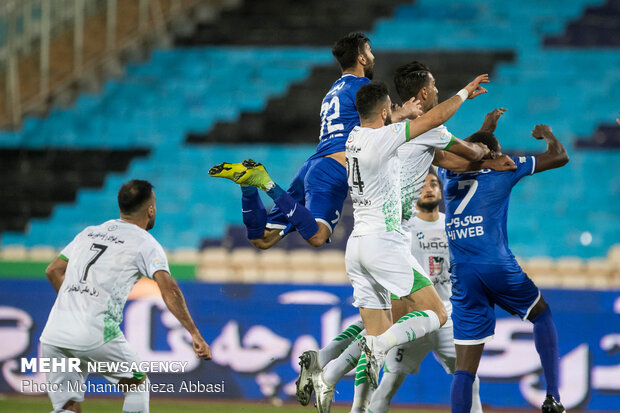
<point x="150" y="224"/>
<point x="428" y="206"/>
<point x="388" y="120"/>
<point x="369" y="72"/>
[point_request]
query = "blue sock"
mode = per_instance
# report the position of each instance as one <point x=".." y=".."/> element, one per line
<point x="254" y="212"/>
<point x="460" y="393"/>
<point x="546" y="341"/>
<point x="297" y="214"/>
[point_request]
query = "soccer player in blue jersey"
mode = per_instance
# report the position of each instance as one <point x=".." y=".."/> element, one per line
<point x="313" y="203"/>
<point x="486" y="273"/>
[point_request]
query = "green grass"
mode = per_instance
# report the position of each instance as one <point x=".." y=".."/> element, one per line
<point x="35" y="404"/>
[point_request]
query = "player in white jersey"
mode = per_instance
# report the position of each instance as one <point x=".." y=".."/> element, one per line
<point x="429" y="245"/>
<point x="378" y="259"/>
<point x="93" y="276"/>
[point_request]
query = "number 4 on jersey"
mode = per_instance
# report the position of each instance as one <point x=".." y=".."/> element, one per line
<point x="356" y="178"/>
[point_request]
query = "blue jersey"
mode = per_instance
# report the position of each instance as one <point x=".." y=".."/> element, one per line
<point x="339" y="114"/>
<point x="476" y="212"/>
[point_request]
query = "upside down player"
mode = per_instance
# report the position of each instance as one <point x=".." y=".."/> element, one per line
<point x="485" y="272"/>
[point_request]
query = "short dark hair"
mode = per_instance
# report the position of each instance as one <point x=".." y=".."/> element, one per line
<point x="348" y="48"/>
<point x="487" y="138"/>
<point x="369" y="96"/>
<point x="410" y="78"/>
<point x="133" y="195"/>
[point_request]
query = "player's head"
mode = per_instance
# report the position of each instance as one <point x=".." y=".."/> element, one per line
<point x="372" y="101"/>
<point x="416" y="79"/>
<point x="354" y="49"/>
<point x="431" y="193"/>
<point x="136" y="200"/>
<point x="488" y="139"/>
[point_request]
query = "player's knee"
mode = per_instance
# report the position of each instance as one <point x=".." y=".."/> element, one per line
<point x="442" y="315"/>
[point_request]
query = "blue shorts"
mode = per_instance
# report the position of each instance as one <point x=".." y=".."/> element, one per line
<point x="476" y="288"/>
<point x="321" y="186"/>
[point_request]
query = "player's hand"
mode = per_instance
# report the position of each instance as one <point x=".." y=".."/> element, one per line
<point x="541" y="131"/>
<point x="201" y="348"/>
<point x="411" y="109"/>
<point x="474" y="87"/>
<point x="490" y="120"/>
<point x="486" y="152"/>
<point x="618" y="122"/>
<point x="502" y="163"/>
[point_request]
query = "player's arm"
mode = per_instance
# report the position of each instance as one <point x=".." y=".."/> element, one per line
<point x="444" y="111"/>
<point x="490" y="120"/>
<point x="555" y="156"/>
<point x="175" y="301"/>
<point x="55" y="272"/>
<point x="456" y="163"/>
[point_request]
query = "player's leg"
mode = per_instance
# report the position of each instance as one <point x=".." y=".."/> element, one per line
<point x="254" y="174"/>
<point x="399" y="362"/>
<point x="467" y="361"/>
<point x="135" y="385"/>
<point x="64" y="398"/>
<point x="546" y="341"/>
<point x="445" y="354"/>
<point x="388" y="258"/>
<point x="312" y="361"/>
<point x="326" y="188"/>
<point x="362" y="390"/>
<point x="473" y="318"/>
<point x="519" y="295"/>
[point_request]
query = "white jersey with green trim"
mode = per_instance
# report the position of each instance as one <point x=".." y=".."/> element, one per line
<point x="429" y="246"/>
<point x="373" y="174"/>
<point x="416" y="158"/>
<point x="104" y="263"/>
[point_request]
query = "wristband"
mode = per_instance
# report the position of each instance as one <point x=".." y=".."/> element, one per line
<point x="463" y="94"/>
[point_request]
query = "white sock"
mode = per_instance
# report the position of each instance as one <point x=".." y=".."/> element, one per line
<point x="390" y="382"/>
<point x="137" y="401"/>
<point x="339" y="343"/>
<point x="476" y="404"/>
<point x="408" y="328"/>
<point x="344" y="363"/>
<point x="363" y="393"/>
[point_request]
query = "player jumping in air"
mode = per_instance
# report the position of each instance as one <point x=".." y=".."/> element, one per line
<point x="486" y="273"/>
<point x="93" y="277"/>
<point x="313" y="203"/>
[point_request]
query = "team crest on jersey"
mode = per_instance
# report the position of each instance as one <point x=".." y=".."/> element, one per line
<point x="158" y="264"/>
<point x="112" y="227"/>
<point x="521" y="159"/>
<point x="397" y="127"/>
<point x="420" y="235"/>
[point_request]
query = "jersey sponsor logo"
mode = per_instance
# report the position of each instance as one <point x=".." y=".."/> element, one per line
<point x="420" y="235"/>
<point x="433" y="244"/>
<point x="435" y="265"/>
<point x="521" y="159"/>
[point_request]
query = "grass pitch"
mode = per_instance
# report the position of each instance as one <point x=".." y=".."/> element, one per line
<point x="35" y="404"/>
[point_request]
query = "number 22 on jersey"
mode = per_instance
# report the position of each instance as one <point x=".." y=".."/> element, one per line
<point x="330" y="111"/>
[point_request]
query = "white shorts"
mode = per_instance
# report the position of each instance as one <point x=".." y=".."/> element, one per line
<point x="406" y="358"/>
<point x="117" y="350"/>
<point x="380" y="264"/>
